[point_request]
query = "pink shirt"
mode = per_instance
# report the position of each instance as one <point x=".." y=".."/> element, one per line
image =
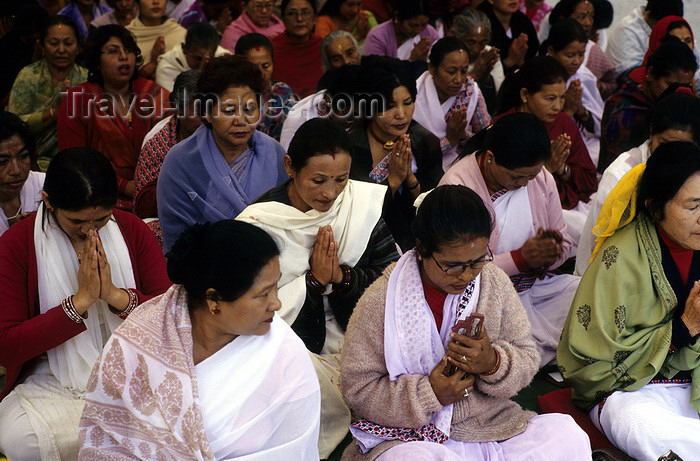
<point x="244" y="25"/>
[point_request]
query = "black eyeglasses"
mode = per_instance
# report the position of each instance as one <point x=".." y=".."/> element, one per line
<point x="460" y="268"/>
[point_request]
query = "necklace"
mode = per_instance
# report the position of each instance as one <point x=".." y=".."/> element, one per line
<point x="387" y="146"/>
<point x="19" y="210"/>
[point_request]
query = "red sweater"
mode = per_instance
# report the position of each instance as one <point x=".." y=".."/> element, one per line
<point x="297" y="64"/>
<point x="25" y="334"/>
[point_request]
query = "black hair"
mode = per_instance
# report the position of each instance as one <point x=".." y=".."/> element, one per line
<point x="183" y="90"/>
<point x="408" y="9"/>
<point x="80" y="177"/>
<point x="201" y="35"/>
<point x="58" y="20"/>
<point x="226" y="256"/>
<point x="344" y="80"/>
<point x="253" y="40"/>
<point x="565" y="32"/>
<point x="283" y="6"/>
<point x="450" y="213"/>
<point x="443" y="47"/>
<point x="673" y="55"/>
<point x="380" y="76"/>
<point x="10" y="125"/>
<point x="535" y="73"/>
<point x="28" y="19"/>
<point x="659" y="9"/>
<point x="318" y="136"/>
<point x="223" y="72"/>
<point x="667" y="169"/>
<point x="331" y="8"/>
<point x="680" y="24"/>
<point x="96" y="39"/>
<point x="516" y="140"/>
<point x="602" y="12"/>
<point x="677" y="111"/>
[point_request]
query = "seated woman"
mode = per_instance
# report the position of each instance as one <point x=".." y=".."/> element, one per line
<point x="114" y="109"/>
<point x="219" y="170"/>
<point x="407" y="36"/>
<point x="82" y="12"/>
<point x="71" y="273"/>
<point x="155" y="34"/>
<point x="390" y="147"/>
<point x="567" y="44"/>
<point x="346" y="15"/>
<point x="20" y="188"/>
<point x="298" y="49"/>
<point x="474" y="29"/>
<point x="123" y="12"/>
<point x="449" y="103"/>
<point x="535" y="10"/>
<point x="675" y="118"/>
<point x="512" y="32"/>
<point x="339" y="48"/>
<point x="629" y="347"/>
<point x="160" y="140"/>
<point x="277" y="97"/>
<point x="589" y="13"/>
<point x="37" y="92"/>
<point x="529" y="238"/>
<point x="257" y="17"/>
<point x="421" y="391"/>
<point x="539" y="88"/>
<point x="334" y="245"/>
<point x="219" y="320"/>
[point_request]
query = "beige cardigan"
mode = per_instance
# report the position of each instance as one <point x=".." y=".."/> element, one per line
<point x="487" y="414"/>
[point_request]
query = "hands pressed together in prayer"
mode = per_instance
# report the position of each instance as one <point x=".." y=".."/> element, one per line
<point x="691" y="313"/>
<point x="542" y="250"/>
<point x="362" y="26"/>
<point x="517" y="51"/>
<point x="471" y="357"/>
<point x="457" y="125"/>
<point x="420" y="50"/>
<point x="324" y="258"/>
<point x="573" y="99"/>
<point x="483" y="65"/>
<point x="400" y="172"/>
<point x="561" y="149"/>
<point x="95" y="278"/>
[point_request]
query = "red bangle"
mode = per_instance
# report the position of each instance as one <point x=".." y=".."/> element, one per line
<point x="314" y="282"/>
<point x="345" y="283"/>
<point x="495" y="367"/>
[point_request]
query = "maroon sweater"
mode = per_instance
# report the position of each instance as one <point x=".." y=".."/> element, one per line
<point x="25" y="334"/>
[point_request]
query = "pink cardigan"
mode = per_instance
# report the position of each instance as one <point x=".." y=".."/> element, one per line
<point x="544" y="202"/>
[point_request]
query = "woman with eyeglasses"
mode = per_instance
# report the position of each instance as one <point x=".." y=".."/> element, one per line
<point x="439" y="343"/>
<point x="298" y="50"/>
<point x="257" y="17"/>
<point x="529" y="238"/>
<point x="114" y="110"/>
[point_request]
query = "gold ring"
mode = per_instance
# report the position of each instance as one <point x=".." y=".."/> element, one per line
<point x="463" y="359"/>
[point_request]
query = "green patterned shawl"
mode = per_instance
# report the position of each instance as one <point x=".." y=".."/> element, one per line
<point x="619" y="327"/>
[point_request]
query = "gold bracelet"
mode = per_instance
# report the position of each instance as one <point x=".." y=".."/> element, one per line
<point x="495" y="367"/>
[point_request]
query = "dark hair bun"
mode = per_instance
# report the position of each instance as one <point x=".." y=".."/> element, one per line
<point x="182" y="254"/>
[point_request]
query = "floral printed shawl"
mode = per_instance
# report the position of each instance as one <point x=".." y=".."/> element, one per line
<point x="619" y="328"/>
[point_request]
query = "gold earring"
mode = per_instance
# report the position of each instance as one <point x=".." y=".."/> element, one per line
<point x="215" y="310"/>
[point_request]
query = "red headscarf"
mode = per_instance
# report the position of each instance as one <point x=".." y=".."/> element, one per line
<point x="658" y="32"/>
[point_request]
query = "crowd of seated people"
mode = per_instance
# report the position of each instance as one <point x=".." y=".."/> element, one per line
<point x="357" y="229"/>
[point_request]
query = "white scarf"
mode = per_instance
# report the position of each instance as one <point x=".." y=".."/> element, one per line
<point x="591" y="99"/>
<point x="352" y="217"/>
<point x="57" y="270"/>
<point x="514" y="219"/>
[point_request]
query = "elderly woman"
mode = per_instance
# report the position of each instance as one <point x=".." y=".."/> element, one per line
<point x="407" y="36"/>
<point x="449" y="103"/>
<point x="474" y="29"/>
<point x="155" y="34"/>
<point x="346" y="15"/>
<point x="219" y="170"/>
<point x="298" y="49"/>
<point x="20" y="188"/>
<point x="539" y="88"/>
<point x="530" y="237"/>
<point x="567" y="44"/>
<point x="390" y="147"/>
<point x="161" y="139"/>
<point x="424" y="378"/>
<point x="277" y="97"/>
<point x="71" y="273"/>
<point x="39" y="88"/>
<point x="339" y="48"/>
<point x="334" y="245"/>
<point x="257" y="17"/>
<point x="114" y="109"/>
<point x="629" y="346"/>
<point x="217" y="321"/>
